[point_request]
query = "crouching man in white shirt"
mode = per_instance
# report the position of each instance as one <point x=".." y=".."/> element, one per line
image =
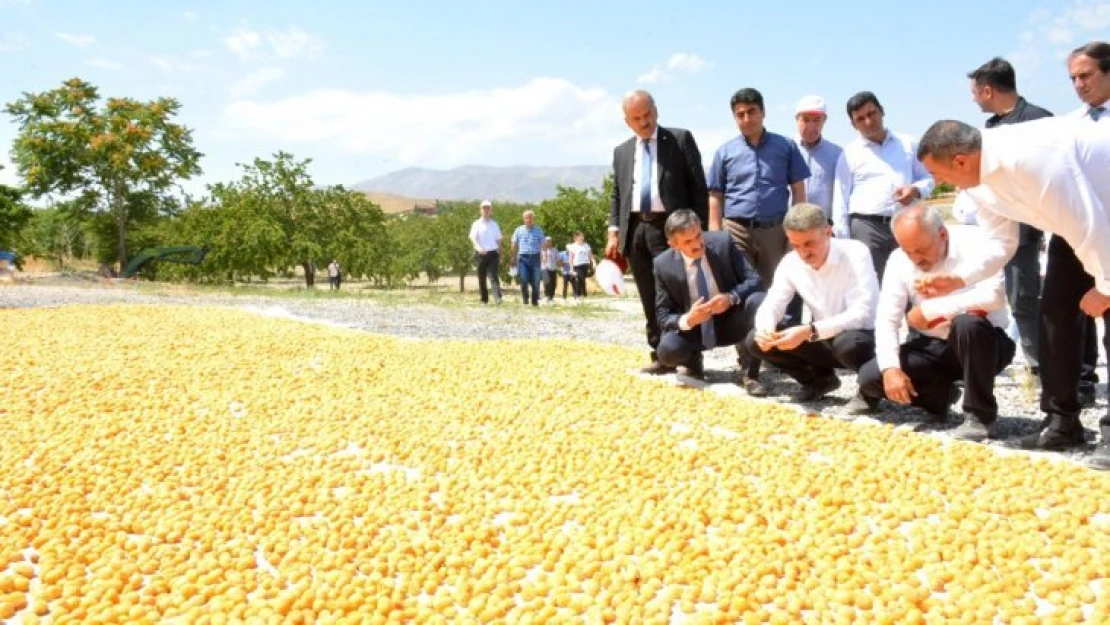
<point x="960" y="336"/>
<point x="836" y="280"/>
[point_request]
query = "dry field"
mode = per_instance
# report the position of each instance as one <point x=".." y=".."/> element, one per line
<point x="196" y="464"/>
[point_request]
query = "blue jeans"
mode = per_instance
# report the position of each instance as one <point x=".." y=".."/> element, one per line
<point x="528" y="266"/>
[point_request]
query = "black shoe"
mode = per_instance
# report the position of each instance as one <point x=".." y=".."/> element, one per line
<point x="1050" y="440"/>
<point x="657" y="368"/>
<point x="752" y="386"/>
<point x="972" y="429"/>
<point x="817" y="389"/>
<point x="1087" y="394"/>
<point x="695" y="369"/>
<point x="861" y="405"/>
<point x="1100" y="459"/>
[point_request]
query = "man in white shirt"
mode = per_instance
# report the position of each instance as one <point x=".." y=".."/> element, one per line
<point x="706" y="293"/>
<point x="957" y="337"/>
<point x="821" y="155"/>
<point x="485" y="235"/>
<point x="878" y="173"/>
<point x="1051" y="174"/>
<point x="835" y="279"/>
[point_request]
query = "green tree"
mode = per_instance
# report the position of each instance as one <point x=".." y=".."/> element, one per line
<point x="14" y="216"/>
<point x="573" y="210"/>
<point x="58" y="235"/>
<point x="119" y="157"/>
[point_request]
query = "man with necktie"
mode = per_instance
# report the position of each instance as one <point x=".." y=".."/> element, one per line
<point x="706" y="294"/>
<point x="655" y="173"/>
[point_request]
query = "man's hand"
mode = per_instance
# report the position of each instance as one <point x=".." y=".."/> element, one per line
<point x="611" y="245"/>
<point x="939" y="285"/>
<point x="1094" y="304"/>
<point x="898" y="387"/>
<point x="916" y="319"/>
<point x="766" y="340"/>
<point x="791" y="338"/>
<point x="906" y="194"/>
<point x="720" y="303"/>
<point x="699" y="312"/>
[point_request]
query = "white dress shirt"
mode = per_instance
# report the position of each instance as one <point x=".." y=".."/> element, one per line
<point x="868" y="173"/>
<point x="637" y="161"/>
<point x="1084" y="113"/>
<point x="692" y="285"/>
<point x="485" y="234"/>
<point x="988" y="296"/>
<point x="841" y="295"/>
<point x="1053" y="175"/>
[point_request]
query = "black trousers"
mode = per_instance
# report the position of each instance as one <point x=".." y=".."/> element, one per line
<point x="568" y="278"/>
<point x="549" y="283"/>
<point x="1023" y="289"/>
<point x="875" y="233"/>
<point x="487" y="270"/>
<point x="811" y="361"/>
<point x="683" y="348"/>
<point x="975" y="352"/>
<point x="580" y="275"/>
<point x="647" y="242"/>
<point x="1061" y="340"/>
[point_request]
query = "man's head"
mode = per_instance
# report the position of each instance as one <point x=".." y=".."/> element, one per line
<point x="529" y="218"/>
<point x="951" y="151"/>
<point x="640" y="113"/>
<point x="683" y="230"/>
<point x="809" y="233"/>
<point x="486" y="208"/>
<point x="920" y="232"/>
<point x="547" y="242"/>
<point x="747" y="110"/>
<point x="866" y="115"/>
<point x="810" y="115"/>
<point x="1089" y="68"/>
<point x="579" y="237"/>
<point x="994" y="85"/>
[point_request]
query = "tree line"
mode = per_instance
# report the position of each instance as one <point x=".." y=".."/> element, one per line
<point x="107" y="173"/>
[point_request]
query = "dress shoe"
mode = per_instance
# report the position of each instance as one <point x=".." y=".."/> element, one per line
<point x="972" y="429"/>
<point x="752" y="386"/>
<point x="657" y="368"/>
<point x="1100" y="459"/>
<point x="695" y="370"/>
<point x="817" y="389"/>
<point x="1050" y="440"/>
<point x="861" y="405"/>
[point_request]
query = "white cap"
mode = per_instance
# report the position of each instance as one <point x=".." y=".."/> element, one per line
<point x="811" y="104"/>
<point x="486" y="203"/>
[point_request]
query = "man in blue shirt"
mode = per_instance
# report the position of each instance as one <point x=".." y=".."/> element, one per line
<point x="527" y="245"/>
<point x="752" y="181"/>
<point x="821" y="154"/>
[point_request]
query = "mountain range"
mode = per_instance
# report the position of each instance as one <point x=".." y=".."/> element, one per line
<point x="518" y="183"/>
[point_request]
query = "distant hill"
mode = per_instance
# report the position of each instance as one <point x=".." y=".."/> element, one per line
<point x="521" y="183"/>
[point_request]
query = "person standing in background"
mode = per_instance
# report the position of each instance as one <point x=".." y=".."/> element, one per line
<point x="821" y="155"/>
<point x="485" y="235"/>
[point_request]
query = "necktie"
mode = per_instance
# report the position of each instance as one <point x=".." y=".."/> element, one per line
<point x="708" y="332"/>
<point x="1096" y="112"/>
<point x="645" y="179"/>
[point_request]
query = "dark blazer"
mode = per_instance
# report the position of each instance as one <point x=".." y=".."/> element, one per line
<point x="730" y="269"/>
<point x="681" y="179"/>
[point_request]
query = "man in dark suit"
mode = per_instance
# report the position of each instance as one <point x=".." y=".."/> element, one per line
<point x="668" y="160"/>
<point x="706" y="295"/>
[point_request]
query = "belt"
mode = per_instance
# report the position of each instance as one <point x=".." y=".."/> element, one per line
<point x="526" y="254"/>
<point x="650" y="216"/>
<point x="755" y="223"/>
<point x="879" y="219"/>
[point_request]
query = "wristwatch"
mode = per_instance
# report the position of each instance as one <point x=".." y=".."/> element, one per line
<point x="813" y="333"/>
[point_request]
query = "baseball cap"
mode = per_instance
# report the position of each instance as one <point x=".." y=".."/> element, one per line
<point x="811" y="104"/>
<point x="486" y="203"/>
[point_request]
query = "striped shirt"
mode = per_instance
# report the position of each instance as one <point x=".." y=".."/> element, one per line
<point x="528" y="240"/>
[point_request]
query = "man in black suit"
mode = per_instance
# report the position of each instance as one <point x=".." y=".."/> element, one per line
<point x="669" y="160"/>
<point x="706" y="295"/>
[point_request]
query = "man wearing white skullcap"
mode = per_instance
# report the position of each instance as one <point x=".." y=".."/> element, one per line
<point x="820" y="153"/>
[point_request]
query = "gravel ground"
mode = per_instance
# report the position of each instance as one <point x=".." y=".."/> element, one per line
<point x="606" y="321"/>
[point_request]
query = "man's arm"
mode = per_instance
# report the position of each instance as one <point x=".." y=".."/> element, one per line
<point x="842" y="192"/>
<point x="778" y="298"/>
<point x="893" y="298"/>
<point x="1075" y="210"/>
<point x="797" y="173"/>
<point x="862" y="297"/>
<point x="716" y="185"/>
<point x="695" y="176"/>
<point x="922" y="180"/>
<point x="797" y="192"/>
<point x="749" y="277"/>
<point x="986" y="295"/>
<point x="474" y="237"/>
<point x="666" y="308"/>
<point x="998" y="243"/>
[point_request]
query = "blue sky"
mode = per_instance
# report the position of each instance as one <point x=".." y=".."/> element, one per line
<point x="367" y="88"/>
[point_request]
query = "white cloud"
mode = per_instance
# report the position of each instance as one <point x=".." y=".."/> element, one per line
<point x="1054" y="34"/>
<point x="12" y="42"/>
<point x="173" y="65"/>
<point x="253" y="45"/>
<point x="76" y="40"/>
<point x="679" y="63"/>
<point x="252" y="82"/>
<point x="103" y="64"/>
<point x="439" y="130"/>
<point x="190" y="16"/>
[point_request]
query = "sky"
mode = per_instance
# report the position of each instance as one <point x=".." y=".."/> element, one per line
<point x="365" y="88"/>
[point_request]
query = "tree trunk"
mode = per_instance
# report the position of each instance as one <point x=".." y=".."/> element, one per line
<point x="462" y="282"/>
<point x="309" y="273"/>
<point x="121" y="227"/>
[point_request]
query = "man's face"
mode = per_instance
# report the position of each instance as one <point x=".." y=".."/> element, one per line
<point x="689" y="242"/>
<point x="486" y="212"/>
<point x="811" y="245"/>
<point x="982" y="95"/>
<point x="528" y="219"/>
<point x="641" y="116"/>
<point x="868" y="121"/>
<point x="810" y="126"/>
<point x="1091" y="85"/>
<point x="580" y="239"/>
<point x="962" y="170"/>
<point x="924" y="248"/>
<point x="749" y="119"/>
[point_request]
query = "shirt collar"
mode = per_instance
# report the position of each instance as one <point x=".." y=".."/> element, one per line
<point x="689" y="262"/>
<point x="654" y="137"/>
<point x="802" y="144"/>
<point x="762" y="138"/>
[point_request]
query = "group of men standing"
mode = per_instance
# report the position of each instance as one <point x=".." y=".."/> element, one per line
<point x="802" y="222"/>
